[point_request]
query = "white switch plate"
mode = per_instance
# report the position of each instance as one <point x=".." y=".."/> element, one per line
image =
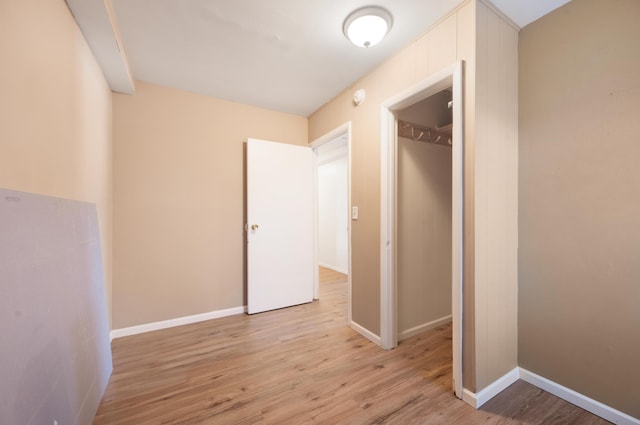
<point x="354" y="213"/>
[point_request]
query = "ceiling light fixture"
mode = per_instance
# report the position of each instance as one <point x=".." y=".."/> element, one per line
<point x="366" y="27"/>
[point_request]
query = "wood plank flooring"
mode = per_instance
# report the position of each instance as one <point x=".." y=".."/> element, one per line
<point x="303" y="365"/>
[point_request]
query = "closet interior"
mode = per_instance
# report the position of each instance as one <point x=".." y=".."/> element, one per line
<point x="423" y="256"/>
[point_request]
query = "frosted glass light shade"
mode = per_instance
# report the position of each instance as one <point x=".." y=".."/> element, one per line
<point x="366" y="27"/>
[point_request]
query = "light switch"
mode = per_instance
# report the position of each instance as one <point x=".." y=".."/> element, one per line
<point x="354" y="213"/>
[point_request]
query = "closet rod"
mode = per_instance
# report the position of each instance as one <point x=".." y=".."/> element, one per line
<point x="438" y="135"/>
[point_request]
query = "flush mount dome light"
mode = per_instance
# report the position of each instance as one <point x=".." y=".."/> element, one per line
<point x="366" y="27"/>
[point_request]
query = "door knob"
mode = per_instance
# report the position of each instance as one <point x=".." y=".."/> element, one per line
<point x="254" y="227"/>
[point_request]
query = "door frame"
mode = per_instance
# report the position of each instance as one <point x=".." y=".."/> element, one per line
<point x="342" y="130"/>
<point x="451" y="76"/>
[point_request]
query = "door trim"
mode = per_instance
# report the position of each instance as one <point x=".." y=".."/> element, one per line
<point x="449" y="77"/>
<point x="344" y="129"/>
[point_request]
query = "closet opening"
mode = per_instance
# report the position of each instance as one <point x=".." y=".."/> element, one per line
<point x="421" y="233"/>
<point x="423" y="215"/>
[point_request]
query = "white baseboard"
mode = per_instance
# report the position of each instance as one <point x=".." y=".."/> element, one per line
<point x="334" y="268"/>
<point x="424" y="327"/>
<point x="366" y="333"/>
<point x="478" y="399"/>
<point x="469" y="397"/>
<point x="580" y="400"/>
<point x="606" y="412"/>
<point x="164" y="324"/>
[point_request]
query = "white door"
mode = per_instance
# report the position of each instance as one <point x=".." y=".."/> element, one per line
<point x="279" y="225"/>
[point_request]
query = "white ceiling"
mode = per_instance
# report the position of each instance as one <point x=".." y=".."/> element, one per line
<point x="523" y="12"/>
<point x="285" y="55"/>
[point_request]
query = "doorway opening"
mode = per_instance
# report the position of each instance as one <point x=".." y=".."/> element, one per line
<point x="404" y="159"/>
<point x="332" y="198"/>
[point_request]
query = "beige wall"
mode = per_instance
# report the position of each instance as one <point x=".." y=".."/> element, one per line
<point x="55" y="112"/>
<point x="178" y="196"/>
<point x="423" y="233"/>
<point x="579" y="300"/>
<point x="495" y="197"/>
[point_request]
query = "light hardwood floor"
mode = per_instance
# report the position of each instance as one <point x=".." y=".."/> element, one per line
<point x="303" y="365"/>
